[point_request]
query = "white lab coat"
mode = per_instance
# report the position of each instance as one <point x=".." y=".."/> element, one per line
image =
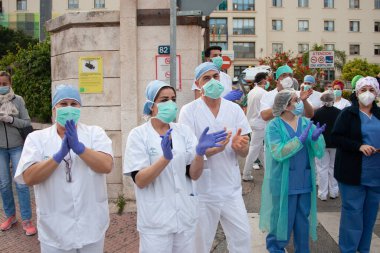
<point x="343" y="103"/>
<point x="69" y="215"/>
<point x="166" y="205"/>
<point x="219" y="187"/>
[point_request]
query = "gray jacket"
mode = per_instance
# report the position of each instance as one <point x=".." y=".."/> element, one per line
<point x="9" y="134"/>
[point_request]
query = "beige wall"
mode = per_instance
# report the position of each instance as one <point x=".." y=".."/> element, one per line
<point x="61" y="6"/>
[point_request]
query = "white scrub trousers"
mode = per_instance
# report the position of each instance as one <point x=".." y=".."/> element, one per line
<point x="256" y="150"/>
<point x="233" y="217"/>
<point x="96" y="247"/>
<point x="326" y="181"/>
<point x="182" y="242"/>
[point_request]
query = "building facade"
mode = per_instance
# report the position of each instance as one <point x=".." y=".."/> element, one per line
<point x="250" y="29"/>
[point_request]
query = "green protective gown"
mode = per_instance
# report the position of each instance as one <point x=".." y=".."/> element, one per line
<point x="279" y="147"/>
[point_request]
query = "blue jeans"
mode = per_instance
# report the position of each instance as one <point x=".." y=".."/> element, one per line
<point x="7" y="155"/>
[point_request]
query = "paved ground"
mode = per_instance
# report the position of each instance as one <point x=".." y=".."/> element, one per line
<point x="122" y="235"/>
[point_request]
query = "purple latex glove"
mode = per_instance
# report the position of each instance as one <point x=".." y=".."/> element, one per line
<point x="233" y="95"/>
<point x="209" y="141"/>
<point x="62" y="152"/>
<point x="318" y="131"/>
<point x="305" y="132"/>
<point x="72" y="138"/>
<point x="166" y="145"/>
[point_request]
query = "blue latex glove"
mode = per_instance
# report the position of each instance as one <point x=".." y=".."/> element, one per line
<point x="233" y="95"/>
<point x="318" y="131"/>
<point x="209" y="141"/>
<point x="166" y="145"/>
<point x="72" y="138"/>
<point x="62" y="152"/>
<point x="305" y="132"/>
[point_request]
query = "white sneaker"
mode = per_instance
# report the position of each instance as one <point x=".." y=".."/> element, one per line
<point x="247" y="177"/>
<point x="323" y="198"/>
<point x="334" y="196"/>
<point x="256" y="166"/>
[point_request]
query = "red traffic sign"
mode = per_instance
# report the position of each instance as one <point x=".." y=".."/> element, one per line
<point x="226" y="62"/>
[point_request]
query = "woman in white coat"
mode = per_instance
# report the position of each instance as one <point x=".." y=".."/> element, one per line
<point x="162" y="157"/>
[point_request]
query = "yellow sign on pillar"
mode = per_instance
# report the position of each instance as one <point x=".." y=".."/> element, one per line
<point x="91" y="74"/>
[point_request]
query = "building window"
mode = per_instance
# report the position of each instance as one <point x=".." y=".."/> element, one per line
<point x="329" y="75"/>
<point x="21" y="5"/>
<point x="73" y="4"/>
<point x="354" y="4"/>
<point x="329" y="26"/>
<point x="243" y="5"/>
<point x="303" y="3"/>
<point x="277" y="3"/>
<point x="328" y="3"/>
<point x="223" y="45"/>
<point x="99" y="4"/>
<point x="303" y="47"/>
<point x="277" y="25"/>
<point x="354" y="49"/>
<point x="329" y="47"/>
<point x="354" y="26"/>
<point x="377" y="50"/>
<point x="244" y="26"/>
<point x="377" y="26"/>
<point x="218" y="27"/>
<point x="277" y="48"/>
<point x="238" y="70"/>
<point x="244" y="49"/>
<point x="377" y="4"/>
<point x="303" y="25"/>
<point x="222" y="6"/>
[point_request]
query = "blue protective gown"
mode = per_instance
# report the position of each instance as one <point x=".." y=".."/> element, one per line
<point x="362" y="200"/>
<point x="289" y="192"/>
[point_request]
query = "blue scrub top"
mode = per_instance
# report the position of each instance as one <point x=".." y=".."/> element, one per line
<point x="370" y="127"/>
<point x="300" y="170"/>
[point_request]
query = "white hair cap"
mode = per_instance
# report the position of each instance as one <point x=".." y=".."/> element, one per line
<point x="369" y="80"/>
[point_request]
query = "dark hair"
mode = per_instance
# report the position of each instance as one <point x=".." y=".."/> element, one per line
<point x="4" y="73"/>
<point x="260" y="76"/>
<point x="208" y="50"/>
<point x="164" y="88"/>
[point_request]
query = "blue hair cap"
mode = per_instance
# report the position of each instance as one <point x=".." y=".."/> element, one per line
<point x="151" y="92"/>
<point x="282" y="70"/>
<point x="203" y="68"/>
<point x="65" y="91"/>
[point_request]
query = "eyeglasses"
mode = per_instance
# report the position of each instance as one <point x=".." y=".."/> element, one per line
<point x="68" y="163"/>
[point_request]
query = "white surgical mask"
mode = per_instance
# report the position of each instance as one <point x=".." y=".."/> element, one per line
<point x="287" y="82"/>
<point x="366" y="98"/>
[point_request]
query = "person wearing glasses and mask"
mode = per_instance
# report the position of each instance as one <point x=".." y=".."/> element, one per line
<point x="219" y="186"/>
<point x="161" y="157"/>
<point x="288" y="199"/>
<point x="67" y="164"/>
<point x="357" y="167"/>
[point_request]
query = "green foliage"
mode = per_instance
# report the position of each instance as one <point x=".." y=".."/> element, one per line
<point x="346" y="94"/>
<point x="31" y="78"/>
<point x="359" y="67"/>
<point x="120" y="203"/>
<point x="11" y="40"/>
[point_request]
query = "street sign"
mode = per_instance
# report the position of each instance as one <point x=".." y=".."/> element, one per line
<point x="321" y="59"/>
<point x="164" y="49"/>
<point x="226" y="62"/>
<point x="163" y="69"/>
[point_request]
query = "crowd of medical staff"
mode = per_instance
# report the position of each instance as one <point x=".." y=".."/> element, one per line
<point x="184" y="164"/>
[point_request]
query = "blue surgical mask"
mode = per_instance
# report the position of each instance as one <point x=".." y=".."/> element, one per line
<point x="213" y="89"/>
<point x="167" y="111"/>
<point x="337" y="93"/>
<point x="267" y="85"/>
<point x="4" y="90"/>
<point x="218" y="61"/>
<point x="298" y="109"/>
<point x="306" y="87"/>
<point x="63" y="114"/>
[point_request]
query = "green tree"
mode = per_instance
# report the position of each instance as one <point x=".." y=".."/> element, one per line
<point x="31" y="78"/>
<point x="11" y="40"/>
<point x="359" y="67"/>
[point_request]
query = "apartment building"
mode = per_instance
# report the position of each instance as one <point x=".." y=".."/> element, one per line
<point x="252" y="29"/>
<point x="30" y="15"/>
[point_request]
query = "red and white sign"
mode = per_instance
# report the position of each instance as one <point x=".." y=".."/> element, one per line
<point x="163" y="69"/>
<point x="226" y="62"/>
<point x="321" y="59"/>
